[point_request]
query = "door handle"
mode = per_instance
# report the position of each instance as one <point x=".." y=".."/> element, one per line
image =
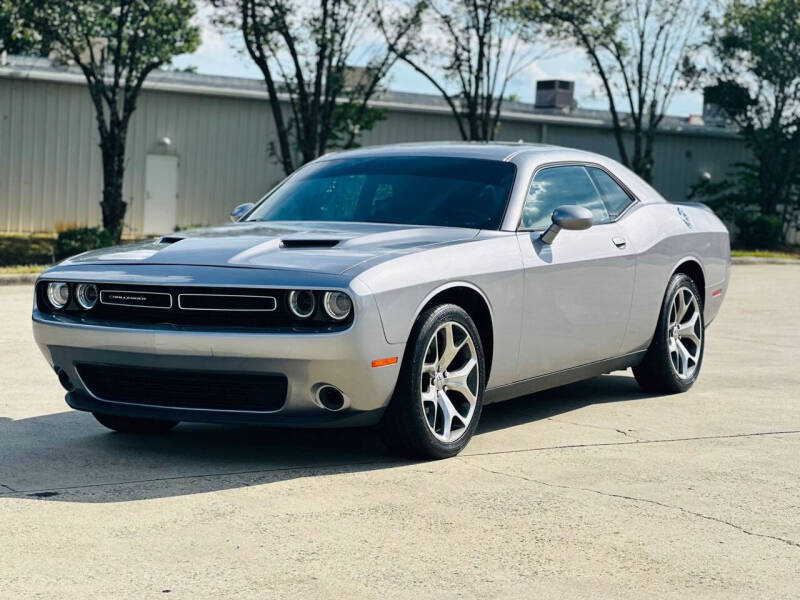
<point x="619" y="242"/>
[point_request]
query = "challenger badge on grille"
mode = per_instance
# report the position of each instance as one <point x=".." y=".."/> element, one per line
<point x="136" y="298"/>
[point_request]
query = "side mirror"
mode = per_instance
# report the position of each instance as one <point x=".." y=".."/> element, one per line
<point x="567" y="217"/>
<point x="241" y="211"/>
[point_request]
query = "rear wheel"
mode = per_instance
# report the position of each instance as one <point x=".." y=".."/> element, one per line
<point x="439" y="395"/>
<point x="134" y="425"/>
<point x="672" y="363"/>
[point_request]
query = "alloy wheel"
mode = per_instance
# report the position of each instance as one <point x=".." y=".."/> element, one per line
<point x="449" y="382"/>
<point x="685" y="333"/>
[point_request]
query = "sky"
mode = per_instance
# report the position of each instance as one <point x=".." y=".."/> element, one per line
<point x="222" y="54"/>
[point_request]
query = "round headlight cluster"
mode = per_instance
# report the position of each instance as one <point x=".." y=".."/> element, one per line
<point x="302" y="303"/>
<point x="86" y="295"/>
<point x="336" y="306"/>
<point x="58" y="294"/>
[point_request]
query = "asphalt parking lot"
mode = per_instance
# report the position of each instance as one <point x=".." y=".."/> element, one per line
<point x="592" y="490"/>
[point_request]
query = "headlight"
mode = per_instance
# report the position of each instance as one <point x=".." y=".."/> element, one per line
<point x="302" y="303"/>
<point x="58" y="294"/>
<point x="86" y="295"/>
<point x="337" y="305"/>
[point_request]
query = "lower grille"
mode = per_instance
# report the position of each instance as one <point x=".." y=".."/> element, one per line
<point x="185" y="389"/>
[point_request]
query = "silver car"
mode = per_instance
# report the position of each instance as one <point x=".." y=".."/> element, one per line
<point x="406" y="286"/>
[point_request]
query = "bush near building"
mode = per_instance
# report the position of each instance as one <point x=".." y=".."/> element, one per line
<point x="74" y="241"/>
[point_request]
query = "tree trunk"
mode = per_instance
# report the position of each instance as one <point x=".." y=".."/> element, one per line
<point x="643" y="165"/>
<point x="113" y="206"/>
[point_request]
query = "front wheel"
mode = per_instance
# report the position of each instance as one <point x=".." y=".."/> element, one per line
<point x="439" y="394"/>
<point x="672" y="363"/>
<point x="134" y="425"/>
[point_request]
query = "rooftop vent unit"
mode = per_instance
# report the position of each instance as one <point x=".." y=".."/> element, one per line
<point x="712" y="112"/>
<point x="555" y="93"/>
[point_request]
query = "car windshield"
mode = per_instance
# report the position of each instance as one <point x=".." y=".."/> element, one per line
<point x="414" y="190"/>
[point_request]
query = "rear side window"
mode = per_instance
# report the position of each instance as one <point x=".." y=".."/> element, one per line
<point x="614" y="197"/>
<point x="558" y="186"/>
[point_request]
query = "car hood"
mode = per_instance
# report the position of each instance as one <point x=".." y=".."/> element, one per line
<point x="312" y="246"/>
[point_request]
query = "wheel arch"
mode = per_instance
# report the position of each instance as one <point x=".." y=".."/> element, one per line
<point x="693" y="268"/>
<point x="474" y="302"/>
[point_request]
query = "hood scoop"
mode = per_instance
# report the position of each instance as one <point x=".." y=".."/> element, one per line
<point x="308" y="243"/>
<point x="170" y="239"/>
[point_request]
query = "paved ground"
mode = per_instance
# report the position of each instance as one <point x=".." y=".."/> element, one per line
<point x="593" y="490"/>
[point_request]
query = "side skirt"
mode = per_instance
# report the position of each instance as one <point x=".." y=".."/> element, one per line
<point x="559" y="378"/>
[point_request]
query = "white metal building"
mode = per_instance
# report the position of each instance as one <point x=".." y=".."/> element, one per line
<point x="218" y="131"/>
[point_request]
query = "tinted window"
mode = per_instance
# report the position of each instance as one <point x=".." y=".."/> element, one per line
<point x="455" y="192"/>
<point x="558" y="186"/>
<point x="615" y="198"/>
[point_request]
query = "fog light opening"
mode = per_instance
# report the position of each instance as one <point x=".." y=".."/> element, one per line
<point x="331" y="398"/>
<point x="63" y="379"/>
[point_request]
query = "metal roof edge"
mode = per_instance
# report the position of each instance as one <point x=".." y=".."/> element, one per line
<point x="70" y="77"/>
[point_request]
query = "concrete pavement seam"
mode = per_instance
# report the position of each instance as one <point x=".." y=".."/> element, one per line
<point x="635" y="499"/>
<point x="634" y="442"/>
<point x="623" y="432"/>
<point x="377" y="462"/>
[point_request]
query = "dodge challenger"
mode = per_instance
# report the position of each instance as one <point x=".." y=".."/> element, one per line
<point x="405" y="286"/>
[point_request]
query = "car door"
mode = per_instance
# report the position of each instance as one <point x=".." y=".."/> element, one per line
<point x="578" y="290"/>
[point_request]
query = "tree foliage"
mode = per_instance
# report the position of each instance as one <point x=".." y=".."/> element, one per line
<point x="470" y="51"/>
<point x="16" y="34"/>
<point x="320" y="56"/>
<point x="636" y="48"/>
<point x="752" y="72"/>
<point x="116" y="44"/>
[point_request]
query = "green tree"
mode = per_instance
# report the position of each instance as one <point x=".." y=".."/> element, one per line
<point x="636" y="48"/>
<point x="470" y="51"/>
<point x="307" y="52"/>
<point x="16" y="35"/>
<point x="116" y="44"/>
<point x="752" y="73"/>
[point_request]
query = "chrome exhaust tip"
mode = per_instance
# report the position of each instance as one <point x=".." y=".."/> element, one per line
<point x="330" y="398"/>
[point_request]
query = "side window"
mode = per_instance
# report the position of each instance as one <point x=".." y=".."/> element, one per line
<point x="556" y="186"/>
<point x="615" y="198"/>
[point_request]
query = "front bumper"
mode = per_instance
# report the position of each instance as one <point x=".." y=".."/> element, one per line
<point x="342" y="359"/>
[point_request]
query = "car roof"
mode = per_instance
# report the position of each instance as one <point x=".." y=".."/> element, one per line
<point x="524" y="155"/>
<point x="485" y="150"/>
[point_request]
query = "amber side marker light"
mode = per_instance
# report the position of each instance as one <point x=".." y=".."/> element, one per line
<point x="383" y="362"/>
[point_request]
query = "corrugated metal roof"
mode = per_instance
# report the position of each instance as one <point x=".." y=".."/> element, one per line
<point x="196" y="83"/>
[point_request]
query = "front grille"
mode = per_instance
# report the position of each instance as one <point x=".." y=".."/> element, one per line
<point x="198" y="308"/>
<point x="223" y="302"/>
<point x="135" y="298"/>
<point x="174" y="388"/>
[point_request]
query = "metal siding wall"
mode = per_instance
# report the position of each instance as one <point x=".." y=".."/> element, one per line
<point x="411" y="126"/>
<point x="50" y="164"/>
<point x="50" y="172"/>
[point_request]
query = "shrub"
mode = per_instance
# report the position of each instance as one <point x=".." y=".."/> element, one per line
<point x="759" y="232"/>
<point x="25" y="250"/>
<point x="74" y="241"/>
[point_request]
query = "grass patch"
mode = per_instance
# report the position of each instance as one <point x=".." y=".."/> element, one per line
<point x="22" y="269"/>
<point x="792" y="255"/>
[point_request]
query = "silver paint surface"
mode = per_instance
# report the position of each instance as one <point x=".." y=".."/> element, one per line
<point x="556" y="308"/>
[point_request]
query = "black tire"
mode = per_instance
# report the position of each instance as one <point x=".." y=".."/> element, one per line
<point x="134" y="425"/>
<point x="657" y="373"/>
<point x="404" y="427"/>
